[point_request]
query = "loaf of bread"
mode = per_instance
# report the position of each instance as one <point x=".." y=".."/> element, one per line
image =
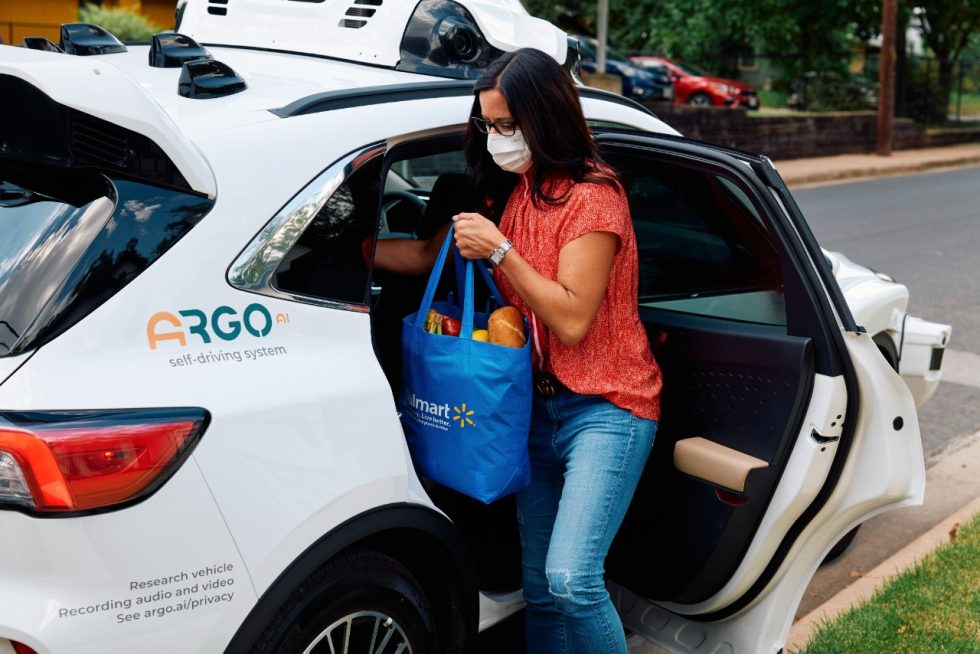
<point x="506" y="327"/>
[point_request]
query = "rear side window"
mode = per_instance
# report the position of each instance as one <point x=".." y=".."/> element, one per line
<point x="702" y="246"/>
<point x="71" y="239"/>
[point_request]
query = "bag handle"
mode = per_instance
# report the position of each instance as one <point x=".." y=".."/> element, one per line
<point x="466" y="329"/>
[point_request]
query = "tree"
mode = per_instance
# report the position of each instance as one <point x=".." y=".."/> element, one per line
<point x="123" y="23"/>
<point x="811" y="35"/>
<point x="947" y="27"/>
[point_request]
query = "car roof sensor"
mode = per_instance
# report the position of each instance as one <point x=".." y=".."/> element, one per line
<point x="448" y="38"/>
<point x="41" y="43"/>
<point x="171" y="50"/>
<point x="208" y="78"/>
<point x="85" y="39"/>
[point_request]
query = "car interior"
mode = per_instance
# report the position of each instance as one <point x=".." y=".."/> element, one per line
<point x="738" y="351"/>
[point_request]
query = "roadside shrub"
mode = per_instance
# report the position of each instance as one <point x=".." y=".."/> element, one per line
<point x="833" y="91"/>
<point x="126" y="24"/>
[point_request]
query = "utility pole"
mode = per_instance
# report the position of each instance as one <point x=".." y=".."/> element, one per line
<point x="886" y="79"/>
<point x="602" y="36"/>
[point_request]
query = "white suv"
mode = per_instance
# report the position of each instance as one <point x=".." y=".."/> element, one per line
<point x="199" y="447"/>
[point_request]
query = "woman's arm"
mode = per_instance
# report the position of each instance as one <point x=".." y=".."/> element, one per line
<point x="568" y="305"/>
<point x="409" y="256"/>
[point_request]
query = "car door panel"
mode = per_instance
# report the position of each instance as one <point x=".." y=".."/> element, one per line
<point x="701" y="565"/>
<point x="744" y="387"/>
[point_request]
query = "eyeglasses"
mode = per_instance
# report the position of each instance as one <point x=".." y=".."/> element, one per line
<point x="503" y="127"/>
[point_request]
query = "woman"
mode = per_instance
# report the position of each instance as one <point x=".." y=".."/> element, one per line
<point x="565" y="256"/>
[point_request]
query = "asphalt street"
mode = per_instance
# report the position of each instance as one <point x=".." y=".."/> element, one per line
<point x="923" y="230"/>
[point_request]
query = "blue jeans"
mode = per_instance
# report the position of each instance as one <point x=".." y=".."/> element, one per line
<point x="587" y="456"/>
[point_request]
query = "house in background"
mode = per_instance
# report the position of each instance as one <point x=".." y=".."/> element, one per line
<point x="20" y="18"/>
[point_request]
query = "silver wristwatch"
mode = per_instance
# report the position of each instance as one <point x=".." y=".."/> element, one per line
<point x="498" y="255"/>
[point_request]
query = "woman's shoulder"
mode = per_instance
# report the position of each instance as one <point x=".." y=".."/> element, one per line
<point x="602" y="185"/>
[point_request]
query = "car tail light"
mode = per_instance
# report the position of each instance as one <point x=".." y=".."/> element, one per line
<point x="21" y="648"/>
<point x="61" y="461"/>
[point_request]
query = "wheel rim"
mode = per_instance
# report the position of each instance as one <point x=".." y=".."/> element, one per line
<point x="363" y="632"/>
<point x="700" y="99"/>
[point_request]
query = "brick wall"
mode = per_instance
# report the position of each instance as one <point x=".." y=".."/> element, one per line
<point x="793" y="137"/>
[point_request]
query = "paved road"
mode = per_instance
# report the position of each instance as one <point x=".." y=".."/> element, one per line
<point x="924" y="230"/>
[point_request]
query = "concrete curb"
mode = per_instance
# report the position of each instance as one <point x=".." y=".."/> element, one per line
<point x="863" y="589"/>
<point x="837" y="175"/>
<point x="835" y="169"/>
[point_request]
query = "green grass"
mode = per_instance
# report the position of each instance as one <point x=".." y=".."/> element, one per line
<point x="772" y="98"/>
<point x="932" y="608"/>
<point x="970" y="104"/>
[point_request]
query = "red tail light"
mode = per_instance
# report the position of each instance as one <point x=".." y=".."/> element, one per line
<point x="56" y="462"/>
<point x="21" y="648"/>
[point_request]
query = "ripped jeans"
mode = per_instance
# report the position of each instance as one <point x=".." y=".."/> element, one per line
<point x="587" y="456"/>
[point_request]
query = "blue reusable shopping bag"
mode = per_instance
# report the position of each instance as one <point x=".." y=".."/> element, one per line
<point x="465" y="405"/>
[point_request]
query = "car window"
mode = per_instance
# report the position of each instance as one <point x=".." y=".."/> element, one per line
<point x="326" y="262"/>
<point x="702" y="247"/>
<point x="71" y="239"/>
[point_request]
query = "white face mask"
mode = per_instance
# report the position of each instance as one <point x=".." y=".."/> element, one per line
<point x="509" y="152"/>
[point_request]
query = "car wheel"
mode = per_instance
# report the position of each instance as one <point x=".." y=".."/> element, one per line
<point x="888" y="350"/>
<point x="700" y="100"/>
<point x="362" y="602"/>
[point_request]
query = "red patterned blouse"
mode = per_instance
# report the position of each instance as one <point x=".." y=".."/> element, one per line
<point x="614" y="358"/>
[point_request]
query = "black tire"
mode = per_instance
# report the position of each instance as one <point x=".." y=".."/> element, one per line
<point x="700" y="100"/>
<point x="888" y="350"/>
<point x="363" y="597"/>
<point x="841" y="546"/>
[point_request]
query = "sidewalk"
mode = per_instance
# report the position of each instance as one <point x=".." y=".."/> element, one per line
<point x="798" y="172"/>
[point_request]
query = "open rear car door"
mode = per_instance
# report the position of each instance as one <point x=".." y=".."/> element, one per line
<point x="782" y="425"/>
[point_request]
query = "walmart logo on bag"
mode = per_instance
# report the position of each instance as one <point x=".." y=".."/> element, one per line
<point x="438" y="415"/>
<point x="463" y="416"/>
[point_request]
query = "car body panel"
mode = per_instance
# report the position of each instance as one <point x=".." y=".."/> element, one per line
<point x="327" y="29"/>
<point x="880" y="305"/>
<point x="102" y="90"/>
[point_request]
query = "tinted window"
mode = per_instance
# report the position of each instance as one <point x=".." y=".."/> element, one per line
<point x="69" y="240"/>
<point x="702" y="247"/>
<point x="327" y="262"/>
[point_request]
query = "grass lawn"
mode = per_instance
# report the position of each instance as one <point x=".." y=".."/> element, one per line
<point x="932" y="608"/>
<point x="970" y="104"/>
<point x="776" y="98"/>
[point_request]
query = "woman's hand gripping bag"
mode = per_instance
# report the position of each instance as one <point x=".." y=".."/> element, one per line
<point x="465" y="405"/>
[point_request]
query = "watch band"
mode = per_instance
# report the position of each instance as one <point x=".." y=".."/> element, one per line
<point x="498" y="255"/>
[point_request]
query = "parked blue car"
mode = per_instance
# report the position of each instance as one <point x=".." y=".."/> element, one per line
<point x="638" y="84"/>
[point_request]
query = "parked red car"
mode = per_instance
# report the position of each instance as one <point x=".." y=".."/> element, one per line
<point x="694" y="86"/>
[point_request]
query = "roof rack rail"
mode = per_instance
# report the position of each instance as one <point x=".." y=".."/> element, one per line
<point x="171" y="50"/>
<point x="368" y="95"/>
<point x="85" y="39"/>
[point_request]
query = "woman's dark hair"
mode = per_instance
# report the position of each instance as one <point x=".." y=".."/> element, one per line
<point x="545" y="105"/>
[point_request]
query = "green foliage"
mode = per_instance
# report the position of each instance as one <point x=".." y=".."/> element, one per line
<point x="935" y="607"/>
<point x="712" y="33"/>
<point x="834" y="91"/>
<point x="124" y="23"/>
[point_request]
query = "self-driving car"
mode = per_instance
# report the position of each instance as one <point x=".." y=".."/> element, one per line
<point x="199" y="443"/>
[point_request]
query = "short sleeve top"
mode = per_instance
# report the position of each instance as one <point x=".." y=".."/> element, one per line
<point x="614" y="358"/>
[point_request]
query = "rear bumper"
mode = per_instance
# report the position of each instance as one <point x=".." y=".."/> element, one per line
<point x="921" y="358"/>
